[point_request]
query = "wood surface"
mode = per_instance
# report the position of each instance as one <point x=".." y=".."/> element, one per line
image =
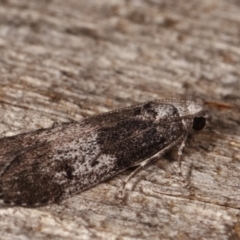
<point x="66" y="60"/>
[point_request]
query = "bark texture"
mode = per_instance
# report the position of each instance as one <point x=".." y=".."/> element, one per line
<point x="66" y="60"/>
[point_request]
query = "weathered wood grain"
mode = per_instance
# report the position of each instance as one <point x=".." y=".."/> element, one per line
<point x="65" y="60"/>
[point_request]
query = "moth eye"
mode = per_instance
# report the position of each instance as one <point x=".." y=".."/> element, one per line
<point x="199" y="123"/>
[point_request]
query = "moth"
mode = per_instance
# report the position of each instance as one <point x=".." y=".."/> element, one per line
<point x="48" y="165"/>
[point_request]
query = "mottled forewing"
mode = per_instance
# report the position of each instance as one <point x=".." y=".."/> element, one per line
<point x="55" y="163"/>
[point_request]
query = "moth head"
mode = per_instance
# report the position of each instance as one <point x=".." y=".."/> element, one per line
<point x="199" y="123"/>
<point x="200" y="119"/>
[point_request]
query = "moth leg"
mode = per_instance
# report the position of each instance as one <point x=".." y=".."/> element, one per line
<point x="127" y="179"/>
<point x="148" y="160"/>
<point x="180" y="150"/>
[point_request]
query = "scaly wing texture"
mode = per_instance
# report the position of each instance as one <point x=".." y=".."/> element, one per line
<point x="49" y="165"/>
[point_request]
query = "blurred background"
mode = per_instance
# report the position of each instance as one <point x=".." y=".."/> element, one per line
<point x="67" y="60"/>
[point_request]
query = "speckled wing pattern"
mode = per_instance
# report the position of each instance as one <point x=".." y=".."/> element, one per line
<point x="48" y="165"/>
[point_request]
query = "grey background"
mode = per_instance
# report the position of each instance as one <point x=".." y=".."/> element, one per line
<point x="66" y="60"/>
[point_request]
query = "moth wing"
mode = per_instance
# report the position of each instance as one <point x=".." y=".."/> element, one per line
<point x="55" y="163"/>
<point x="42" y="171"/>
